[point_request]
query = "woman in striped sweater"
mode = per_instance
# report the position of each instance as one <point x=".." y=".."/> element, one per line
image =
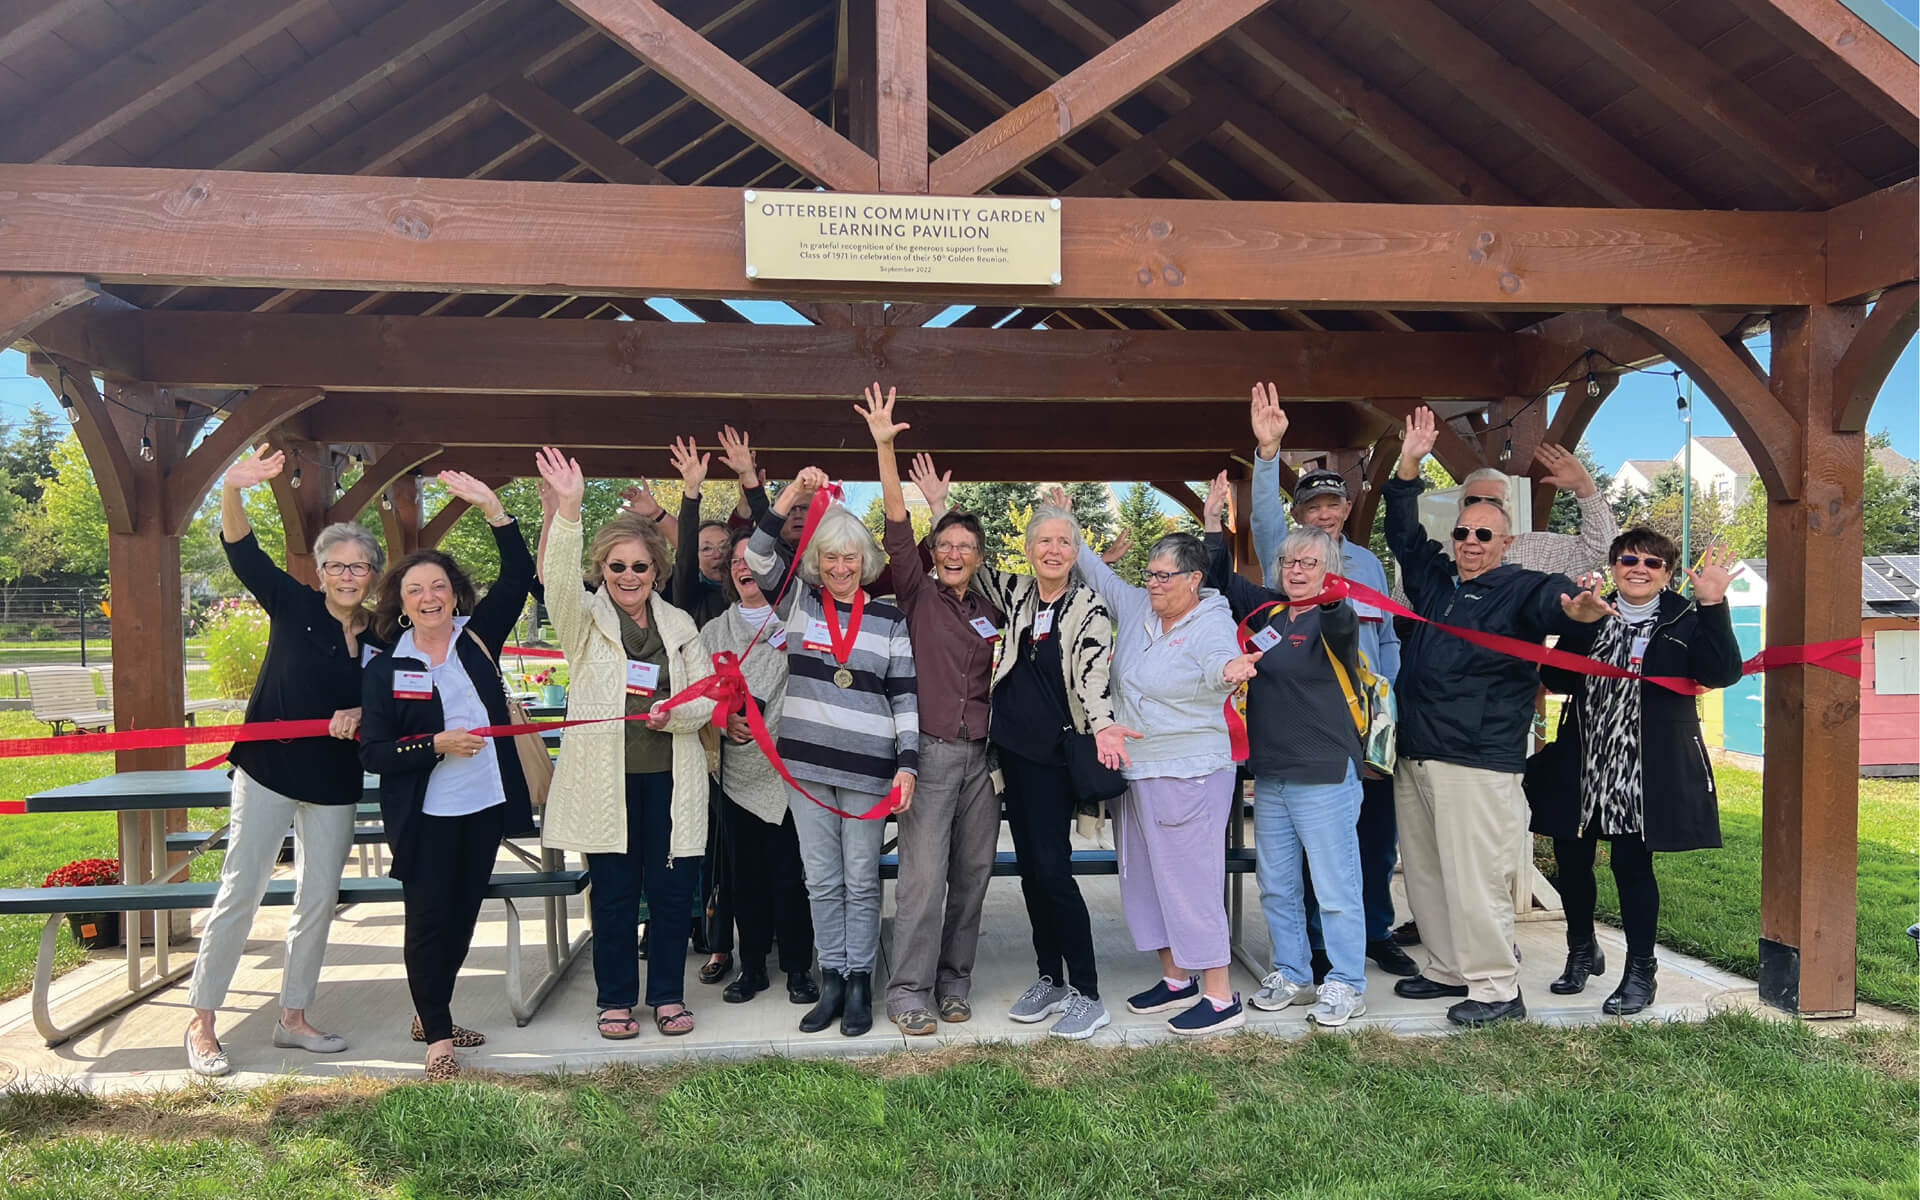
<point x="849" y="732"/>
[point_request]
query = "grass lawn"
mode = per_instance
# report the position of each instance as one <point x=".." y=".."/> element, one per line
<point x="1735" y="1107"/>
<point x="1710" y="899"/>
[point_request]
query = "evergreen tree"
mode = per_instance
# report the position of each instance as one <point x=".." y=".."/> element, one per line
<point x="1140" y="517"/>
<point x="26" y="453"/>
<point x="1092" y="505"/>
<point x="1564" y="516"/>
<point x="995" y="504"/>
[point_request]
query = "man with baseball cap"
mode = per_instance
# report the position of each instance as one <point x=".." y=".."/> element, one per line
<point x="1320" y="499"/>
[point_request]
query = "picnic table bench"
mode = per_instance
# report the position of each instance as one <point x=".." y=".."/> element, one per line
<point x="137" y="795"/>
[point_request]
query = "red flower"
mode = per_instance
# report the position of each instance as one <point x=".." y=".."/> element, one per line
<point x="85" y="872"/>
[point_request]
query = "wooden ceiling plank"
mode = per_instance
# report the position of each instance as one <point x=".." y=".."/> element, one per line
<point x="1086" y="92"/>
<point x="1505" y="91"/>
<point x="117" y="91"/>
<point x="974" y="466"/>
<point x="22" y="22"/>
<point x="1128" y="166"/>
<point x="240" y="135"/>
<point x="1708" y="97"/>
<point x="573" y="133"/>
<point x="1848" y="51"/>
<point x="725" y="85"/>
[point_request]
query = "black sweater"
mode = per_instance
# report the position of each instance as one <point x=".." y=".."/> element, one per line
<point x="308" y="674"/>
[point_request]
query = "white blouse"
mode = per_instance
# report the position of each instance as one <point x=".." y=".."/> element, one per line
<point x="458" y="786"/>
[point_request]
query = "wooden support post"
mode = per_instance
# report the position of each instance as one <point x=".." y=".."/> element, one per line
<point x="1569" y="425"/>
<point x="1381" y="461"/>
<point x="1240" y="523"/>
<point x="402" y="519"/>
<point x="1810" y="792"/>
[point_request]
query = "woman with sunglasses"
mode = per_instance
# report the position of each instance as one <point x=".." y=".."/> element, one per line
<point x="1628" y="765"/>
<point x="630" y="795"/>
<point x="317" y="638"/>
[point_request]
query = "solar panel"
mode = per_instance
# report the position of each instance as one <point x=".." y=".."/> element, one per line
<point x="1875" y="587"/>
<point x="1908" y="565"/>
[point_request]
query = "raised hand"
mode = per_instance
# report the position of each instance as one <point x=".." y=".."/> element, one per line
<point x="1587" y="607"/>
<point x="737" y="454"/>
<point x="1417" y="442"/>
<point x="879" y="415"/>
<point x="1057" y="496"/>
<point x="1269" y="419"/>
<point x="1117" y="548"/>
<point x="933" y="485"/>
<point x="800" y="491"/>
<point x="691" y="464"/>
<point x="1715" y="574"/>
<point x="479" y="495"/>
<point x="561" y="476"/>
<point x="1111" y="745"/>
<point x="1563" y="470"/>
<point x="1218" y="492"/>
<point x="254" y="468"/>
<point x="637" y="498"/>
<point x="1242" y="668"/>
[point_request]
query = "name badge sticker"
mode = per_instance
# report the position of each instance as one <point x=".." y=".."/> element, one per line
<point x="985" y="628"/>
<point x="779" y="639"/>
<point x="1042" y="623"/>
<point x="642" y="678"/>
<point x="1639" y="649"/>
<point x="817" y="637"/>
<point x="1266" y="639"/>
<point x="412" y="685"/>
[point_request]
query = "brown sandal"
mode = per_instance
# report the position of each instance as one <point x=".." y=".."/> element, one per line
<point x="443" y="1068"/>
<point x="463" y="1037"/>
<point x="610" y="1026"/>
<point x="665" y="1023"/>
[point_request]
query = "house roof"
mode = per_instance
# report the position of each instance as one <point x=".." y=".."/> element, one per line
<point x="1652" y="468"/>
<point x="1889" y="584"/>
<point x="1892" y="461"/>
<point x="1729" y="451"/>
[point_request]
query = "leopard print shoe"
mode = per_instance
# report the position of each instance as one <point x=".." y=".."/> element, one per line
<point x="443" y="1068"/>
<point x="463" y="1037"/>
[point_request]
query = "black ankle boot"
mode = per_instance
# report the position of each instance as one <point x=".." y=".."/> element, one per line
<point x="858" y="1015"/>
<point x="833" y="998"/>
<point x="751" y="981"/>
<point x="1582" y="961"/>
<point x="1636" y="988"/>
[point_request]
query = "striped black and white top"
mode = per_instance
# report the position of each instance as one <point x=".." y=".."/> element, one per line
<point x="854" y="737"/>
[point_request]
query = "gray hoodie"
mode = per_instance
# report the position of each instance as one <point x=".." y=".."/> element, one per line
<point x="1168" y="686"/>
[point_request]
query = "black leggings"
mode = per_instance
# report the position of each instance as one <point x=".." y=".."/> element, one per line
<point x="1040" y="808"/>
<point x="442" y="893"/>
<point x="1632" y="874"/>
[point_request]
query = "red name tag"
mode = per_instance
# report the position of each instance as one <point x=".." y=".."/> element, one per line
<point x="412" y="685"/>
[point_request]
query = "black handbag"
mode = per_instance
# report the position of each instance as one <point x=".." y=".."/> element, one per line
<point x="1551" y="782"/>
<point x="1093" y="782"/>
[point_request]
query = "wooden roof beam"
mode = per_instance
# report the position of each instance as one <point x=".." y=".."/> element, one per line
<point x="1105" y="80"/>
<point x="241" y="134"/>
<point x="974" y="466"/>
<point x="241" y="427"/>
<point x="661" y="40"/>
<point x="24" y="21"/>
<point x="881" y="63"/>
<point x="1707" y="96"/>
<point x="570" y="131"/>
<point x="29" y="301"/>
<point x="99" y="437"/>
<point x="181" y="53"/>
<point x="1873" y="243"/>
<point x="1504" y="91"/>
<point x="1850" y="52"/>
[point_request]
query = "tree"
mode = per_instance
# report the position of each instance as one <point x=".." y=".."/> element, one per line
<point x="875" y="519"/>
<point x="995" y="505"/>
<point x="67" y="532"/>
<point x="1092" y="505"/>
<point x="1747" y="531"/>
<point x="1436" y="476"/>
<point x="1664" y="509"/>
<point x="1890" y="505"/>
<point x="1141" y="519"/>
<point x="26" y="453"/>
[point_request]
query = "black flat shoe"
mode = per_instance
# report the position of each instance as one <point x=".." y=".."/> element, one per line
<point x="1419" y="987"/>
<point x="800" y="988"/>
<point x="1477" y="1013"/>
<point x="751" y="982"/>
<point x="714" y="972"/>
<point x="1408" y="934"/>
<point x="1582" y="963"/>
<point x="1636" y="989"/>
<point x="1389" y="957"/>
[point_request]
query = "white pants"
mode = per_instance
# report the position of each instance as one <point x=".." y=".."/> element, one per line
<point x="322" y="838"/>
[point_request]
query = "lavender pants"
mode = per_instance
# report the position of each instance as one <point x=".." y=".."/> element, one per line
<point x="1171" y="835"/>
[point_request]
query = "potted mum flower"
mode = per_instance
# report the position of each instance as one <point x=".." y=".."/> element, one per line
<point x="553" y="692"/>
<point x="92" y="929"/>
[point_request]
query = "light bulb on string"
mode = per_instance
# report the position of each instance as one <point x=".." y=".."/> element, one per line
<point x="386" y="502"/>
<point x="146" y="448"/>
<point x="1593" y="385"/>
<point x="295" y="481"/>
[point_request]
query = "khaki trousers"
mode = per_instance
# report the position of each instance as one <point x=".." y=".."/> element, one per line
<point x="1458" y="828"/>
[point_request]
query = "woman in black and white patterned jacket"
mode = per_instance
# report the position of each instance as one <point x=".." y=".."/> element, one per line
<point x="1052" y="671"/>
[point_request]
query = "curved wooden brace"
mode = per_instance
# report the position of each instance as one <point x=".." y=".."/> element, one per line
<point x="93" y="425"/>
<point x="1569" y="425"/>
<point x="1863" y="369"/>
<point x="1182" y="495"/>
<point x="376" y="476"/>
<point x="453" y="510"/>
<point x="188" y="482"/>
<point x="1767" y="431"/>
<point x="1381" y="461"/>
<point x="28" y="300"/>
<point x="400" y="521"/>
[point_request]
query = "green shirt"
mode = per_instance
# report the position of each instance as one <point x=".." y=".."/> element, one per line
<point x="648" y="750"/>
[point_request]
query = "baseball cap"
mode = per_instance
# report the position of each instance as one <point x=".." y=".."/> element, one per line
<point x="1319" y="483"/>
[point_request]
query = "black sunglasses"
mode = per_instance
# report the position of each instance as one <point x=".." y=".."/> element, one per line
<point x="620" y="568"/>
<point x="1653" y="561"/>
<point x="1461" y="533"/>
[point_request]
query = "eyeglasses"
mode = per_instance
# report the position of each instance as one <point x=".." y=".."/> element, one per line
<point x="966" y="547"/>
<point x="356" y="570"/>
<point x="1163" y="576"/>
<point x="1305" y="564"/>
<point x="1462" y="532"/>
<point x="620" y="568"/>
<point x="1496" y="501"/>
<point x="1653" y="561"/>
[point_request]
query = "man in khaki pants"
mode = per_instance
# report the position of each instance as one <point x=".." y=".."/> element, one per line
<point x="1464" y="715"/>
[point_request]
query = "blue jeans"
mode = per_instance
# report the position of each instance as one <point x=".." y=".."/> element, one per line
<point x="1320" y="818"/>
<point x="1379" y="850"/>
<point x="614" y="902"/>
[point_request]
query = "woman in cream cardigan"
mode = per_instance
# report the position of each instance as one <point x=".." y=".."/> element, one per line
<point x="632" y="795"/>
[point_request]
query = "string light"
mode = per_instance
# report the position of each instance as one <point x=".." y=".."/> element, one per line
<point x="146" y="448"/>
<point x="295" y="481"/>
<point x="66" y="403"/>
<point x="386" y="502"/>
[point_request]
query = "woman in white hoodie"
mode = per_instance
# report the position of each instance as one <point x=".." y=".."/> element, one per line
<point x="631" y="795"/>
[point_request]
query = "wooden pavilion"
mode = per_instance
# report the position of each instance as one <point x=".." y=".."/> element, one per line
<point x="409" y="231"/>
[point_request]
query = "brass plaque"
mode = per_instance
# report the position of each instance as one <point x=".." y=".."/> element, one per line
<point x="903" y="239"/>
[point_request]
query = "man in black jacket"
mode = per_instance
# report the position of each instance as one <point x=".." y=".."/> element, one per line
<point x="1464" y="714"/>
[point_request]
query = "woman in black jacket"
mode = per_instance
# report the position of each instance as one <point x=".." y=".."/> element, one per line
<point x="1628" y="764"/>
<point x="447" y="796"/>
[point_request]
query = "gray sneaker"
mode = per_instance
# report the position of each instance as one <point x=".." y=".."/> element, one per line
<point x="1039" y="1001"/>
<point x="1338" y="1001"/>
<point x="1277" y="992"/>
<point x="1083" y="1018"/>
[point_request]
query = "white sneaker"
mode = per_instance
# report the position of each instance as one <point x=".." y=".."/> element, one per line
<point x="1277" y="992"/>
<point x="1338" y="1001"/>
